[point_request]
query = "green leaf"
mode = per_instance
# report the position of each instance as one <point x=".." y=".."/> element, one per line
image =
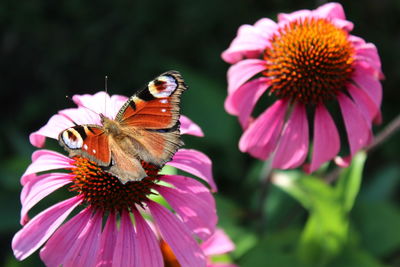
<point x="274" y="249"/>
<point x="326" y="229"/>
<point x="349" y="182"/>
<point x="378" y="223"/>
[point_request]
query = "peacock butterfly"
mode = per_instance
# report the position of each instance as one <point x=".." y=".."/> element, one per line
<point x="146" y="128"/>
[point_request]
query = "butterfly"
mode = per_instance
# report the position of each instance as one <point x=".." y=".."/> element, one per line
<point x="146" y="128"/>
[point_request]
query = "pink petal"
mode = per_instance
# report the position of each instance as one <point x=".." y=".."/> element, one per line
<point x="84" y="250"/>
<point x="365" y="79"/>
<point x="46" y="160"/>
<point x="57" y="249"/>
<point x="196" y="163"/>
<point x="52" y="129"/>
<point x="177" y="236"/>
<point x="326" y="139"/>
<point x="219" y="243"/>
<point x="364" y="103"/>
<point x="125" y="253"/>
<point x="147" y="243"/>
<point x="287" y="17"/>
<point x="330" y="10"/>
<point x="250" y="41"/>
<point x="81" y="116"/>
<point x="358" y="131"/>
<point x="260" y="138"/>
<point x="189" y="127"/>
<point x="101" y="103"/>
<point x="242" y="71"/>
<point x="199" y="216"/>
<point x="41" y="227"/>
<point x="107" y="243"/>
<point x="40" y="187"/>
<point x="242" y="101"/>
<point x="191" y="185"/>
<point x="368" y="53"/>
<point x="293" y="145"/>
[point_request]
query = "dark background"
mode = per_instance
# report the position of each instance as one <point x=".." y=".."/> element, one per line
<point x="50" y="49"/>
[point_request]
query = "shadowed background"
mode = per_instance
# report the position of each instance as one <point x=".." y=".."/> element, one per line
<point x="50" y="49"/>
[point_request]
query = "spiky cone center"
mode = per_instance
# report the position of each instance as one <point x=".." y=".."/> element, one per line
<point x="104" y="191"/>
<point x="310" y="60"/>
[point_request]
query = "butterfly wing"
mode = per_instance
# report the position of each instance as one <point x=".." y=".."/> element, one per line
<point x="88" y="141"/>
<point x="154" y="113"/>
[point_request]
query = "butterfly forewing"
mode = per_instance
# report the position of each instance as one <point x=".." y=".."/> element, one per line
<point x="155" y="111"/>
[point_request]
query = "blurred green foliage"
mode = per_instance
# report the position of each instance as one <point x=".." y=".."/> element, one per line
<point x="50" y="49"/>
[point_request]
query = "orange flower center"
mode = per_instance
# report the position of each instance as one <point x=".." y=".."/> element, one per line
<point x="310" y="60"/>
<point x="104" y="191"/>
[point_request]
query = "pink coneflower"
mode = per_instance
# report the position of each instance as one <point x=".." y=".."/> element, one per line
<point x="306" y="60"/>
<point x="217" y="244"/>
<point x="125" y="239"/>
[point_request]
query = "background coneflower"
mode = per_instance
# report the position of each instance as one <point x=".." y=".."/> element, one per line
<point x="307" y="60"/>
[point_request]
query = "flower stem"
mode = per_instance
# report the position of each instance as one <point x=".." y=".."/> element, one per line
<point x="264" y="189"/>
<point x="387" y="132"/>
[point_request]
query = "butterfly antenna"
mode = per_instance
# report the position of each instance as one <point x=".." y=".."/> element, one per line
<point x="106" y="90"/>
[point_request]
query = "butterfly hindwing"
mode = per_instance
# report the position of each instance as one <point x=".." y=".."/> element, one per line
<point x="89" y="141"/>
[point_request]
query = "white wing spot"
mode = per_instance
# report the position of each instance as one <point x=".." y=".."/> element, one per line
<point x="85" y="146"/>
<point x="169" y="87"/>
<point x="94" y="151"/>
<point x="163" y="110"/>
<point x="164" y="101"/>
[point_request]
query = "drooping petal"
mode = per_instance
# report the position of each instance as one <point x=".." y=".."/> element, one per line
<point x="358" y="131"/>
<point x="199" y="216"/>
<point x="107" y="243"/>
<point x="57" y="249"/>
<point x="368" y="53"/>
<point x="219" y="243"/>
<point x="41" y="227"/>
<point x="366" y="80"/>
<point x="250" y="41"/>
<point x="196" y="163"/>
<point x="147" y="244"/>
<point x="364" y="103"/>
<point x="45" y="160"/>
<point x="326" y="139"/>
<point x="261" y="136"/>
<point x="293" y="144"/>
<point x="242" y="101"/>
<point x="191" y="185"/>
<point x="189" y="127"/>
<point x="177" y="236"/>
<point x="38" y="188"/>
<point x="242" y="71"/>
<point x="125" y="251"/>
<point x="84" y="250"/>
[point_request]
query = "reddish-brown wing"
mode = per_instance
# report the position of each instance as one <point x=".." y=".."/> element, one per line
<point x="88" y="141"/>
<point x="154" y="112"/>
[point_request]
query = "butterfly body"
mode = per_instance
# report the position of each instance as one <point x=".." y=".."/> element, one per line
<point x="145" y="129"/>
